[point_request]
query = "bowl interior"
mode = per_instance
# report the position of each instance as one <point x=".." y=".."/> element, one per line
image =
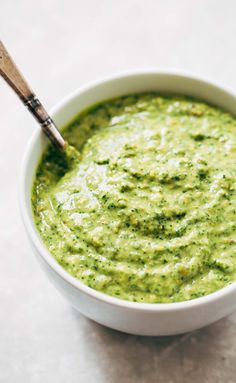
<point x="108" y="88"/>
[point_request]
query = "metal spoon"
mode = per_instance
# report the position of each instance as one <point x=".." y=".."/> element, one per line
<point x="14" y="78"/>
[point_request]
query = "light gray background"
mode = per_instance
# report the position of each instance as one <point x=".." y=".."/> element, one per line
<point x="60" y="45"/>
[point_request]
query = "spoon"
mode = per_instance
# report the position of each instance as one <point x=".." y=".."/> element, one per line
<point x="11" y="74"/>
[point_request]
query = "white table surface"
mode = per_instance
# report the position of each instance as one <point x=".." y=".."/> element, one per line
<point x="60" y="45"/>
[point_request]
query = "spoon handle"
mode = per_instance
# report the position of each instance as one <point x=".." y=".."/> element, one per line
<point x="10" y="73"/>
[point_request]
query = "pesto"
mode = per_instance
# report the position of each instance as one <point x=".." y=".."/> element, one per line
<point x="147" y="210"/>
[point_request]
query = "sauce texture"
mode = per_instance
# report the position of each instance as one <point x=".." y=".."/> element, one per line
<point x="146" y="210"/>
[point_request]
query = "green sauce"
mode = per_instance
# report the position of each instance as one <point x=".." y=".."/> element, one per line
<point x="147" y="211"/>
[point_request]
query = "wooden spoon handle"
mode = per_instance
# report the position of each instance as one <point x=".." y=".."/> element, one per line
<point x="10" y="72"/>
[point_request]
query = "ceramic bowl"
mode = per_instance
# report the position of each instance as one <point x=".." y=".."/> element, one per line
<point x="130" y="317"/>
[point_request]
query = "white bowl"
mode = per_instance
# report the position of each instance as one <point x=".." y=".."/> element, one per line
<point x="130" y="317"/>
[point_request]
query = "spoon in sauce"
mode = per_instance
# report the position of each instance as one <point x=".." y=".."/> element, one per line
<point x="12" y="75"/>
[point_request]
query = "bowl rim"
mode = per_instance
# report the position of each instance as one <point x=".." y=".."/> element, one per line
<point x="37" y="241"/>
